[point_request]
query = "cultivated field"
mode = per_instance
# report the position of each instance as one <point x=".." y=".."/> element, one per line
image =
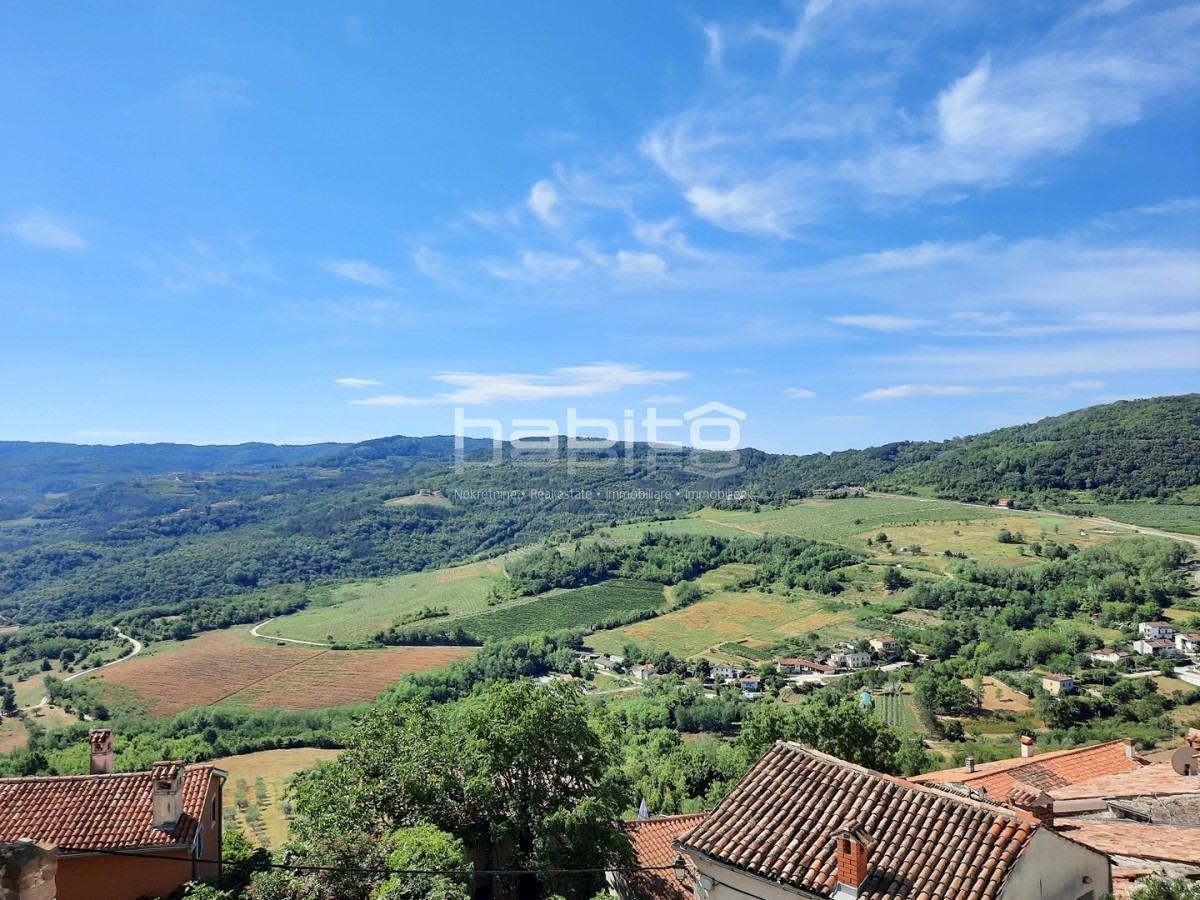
<point x="275" y="768"/>
<point x="697" y="629"/>
<point x="13" y="735"/>
<point x="230" y="667"/>
<point x="581" y="607"/>
<point x="359" y="610"/>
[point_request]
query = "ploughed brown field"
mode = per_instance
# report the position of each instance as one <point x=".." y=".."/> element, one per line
<point x="231" y="668"/>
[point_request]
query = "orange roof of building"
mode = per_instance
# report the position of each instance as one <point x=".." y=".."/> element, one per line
<point x="1155" y="780"/>
<point x="653" y="843"/>
<point x="1047" y="771"/>
<point x="98" y="812"/>
<point x="1135" y="840"/>
<point x="779" y="821"/>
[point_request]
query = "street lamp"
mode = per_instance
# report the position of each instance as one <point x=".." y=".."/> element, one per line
<point x="681" y="869"/>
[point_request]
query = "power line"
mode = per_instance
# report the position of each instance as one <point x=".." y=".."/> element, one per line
<point x="366" y="870"/>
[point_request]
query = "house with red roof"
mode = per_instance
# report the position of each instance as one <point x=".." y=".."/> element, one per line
<point x="805" y="824"/>
<point x="1046" y="771"/>
<point x="652" y="877"/>
<point x="120" y="835"/>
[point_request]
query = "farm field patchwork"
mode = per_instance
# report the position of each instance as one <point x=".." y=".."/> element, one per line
<point x="1167" y="517"/>
<point x="577" y="608"/>
<point x="230" y="667"/>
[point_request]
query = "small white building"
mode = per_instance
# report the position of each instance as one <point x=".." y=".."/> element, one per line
<point x="1156" y="647"/>
<point x="1188" y="643"/>
<point x="643" y="672"/>
<point x="850" y="659"/>
<point x="1157" y="630"/>
<point x="1105" y="655"/>
<point x="725" y="671"/>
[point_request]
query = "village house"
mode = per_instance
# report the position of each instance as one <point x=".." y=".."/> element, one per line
<point x="610" y="664"/>
<point x="1188" y="643"/>
<point x="105" y="827"/>
<point x="653" y="844"/>
<point x="795" y="666"/>
<point x="1157" y="630"/>
<point x="1057" y="768"/>
<point x="1105" y="655"/>
<point x="1155" y="647"/>
<point x="850" y="659"/>
<point x="751" y="684"/>
<point x="725" y="671"/>
<point x="805" y="824"/>
<point x="643" y="671"/>
<point x="884" y="643"/>
<point x="1059" y="684"/>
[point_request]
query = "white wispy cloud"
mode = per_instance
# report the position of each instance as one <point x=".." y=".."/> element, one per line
<point x="1090" y="358"/>
<point x="799" y="393"/>
<point x="357" y="382"/>
<point x="542" y="202"/>
<point x="665" y="398"/>
<point x="880" y="322"/>
<point x="907" y="391"/>
<point x="42" y="228"/>
<point x="358" y="271"/>
<point x="431" y="264"/>
<point x="482" y="389"/>
<point x="536" y="265"/>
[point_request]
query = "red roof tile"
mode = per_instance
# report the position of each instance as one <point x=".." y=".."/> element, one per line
<point x="654" y="845"/>
<point x="1047" y="771"/>
<point x="1148" y="781"/>
<point x="779" y="821"/>
<point x="1135" y="840"/>
<point x="101" y="812"/>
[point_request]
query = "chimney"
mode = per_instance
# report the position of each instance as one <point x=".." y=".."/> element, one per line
<point x="1129" y="749"/>
<point x="1032" y="801"/>
<point x="101" y="740"/>
<point x="28" y="870"/>
<point x="1027" y="746"/>
<point x="969" y="764"/>
<point x="168" y="793"/>
<point x="853" y="848"/>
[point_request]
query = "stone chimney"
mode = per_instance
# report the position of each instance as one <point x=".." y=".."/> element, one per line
<point x="168" y="793"/>
<point x="853" y="851"/>
<point x="1130" y="751"/>
<point x="969" y="764"/>
<point x="28" y="870"/>
<point x="101" y="740"/>
<point x="1027" y="746"/>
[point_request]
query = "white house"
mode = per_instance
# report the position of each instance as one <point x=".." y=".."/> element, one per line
<point x="1109" y="656"/>
<point x="1156" y="647"/>
<point x="1188" y="643"/>
<point x="725" y="671"/>
<point x="1157" y="630"/>
<point x="850" y="659"/>
<point x="643" y="672"/>
<point x="884" y="643"/>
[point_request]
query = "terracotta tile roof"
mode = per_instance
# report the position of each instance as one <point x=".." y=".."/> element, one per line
<point x="1047" y="771"/>
<point x="103" y="812"/>
<point x="779" y="821"/>
<point x="1154" y="780"/>
<point x="654" y="845"/>
<point x="1135" y="840"/>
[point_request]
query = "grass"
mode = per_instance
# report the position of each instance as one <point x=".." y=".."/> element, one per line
<point x="357" y="611"/>
<point x="898" y="711"/>
<point x="276" y="768"/>
<point x="725" y="617"/>
<point x="1180" y="519"/>
<point x="581" y="607"/>
<point x="13" y="735"/>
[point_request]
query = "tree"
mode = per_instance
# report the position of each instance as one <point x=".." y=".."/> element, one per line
<point x="425" y="847"/>
<point x="1155" y="888"/>
<point x="517" y="773"/>
<point x="844" y="730"/>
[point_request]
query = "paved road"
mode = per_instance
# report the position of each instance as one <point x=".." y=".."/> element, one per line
<point x="271" y="637"/>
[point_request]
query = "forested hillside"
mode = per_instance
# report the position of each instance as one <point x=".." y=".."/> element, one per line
<point x="213" y="522"/>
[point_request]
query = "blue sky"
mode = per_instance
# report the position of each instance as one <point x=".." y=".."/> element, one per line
<point x="856" y="221"/>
